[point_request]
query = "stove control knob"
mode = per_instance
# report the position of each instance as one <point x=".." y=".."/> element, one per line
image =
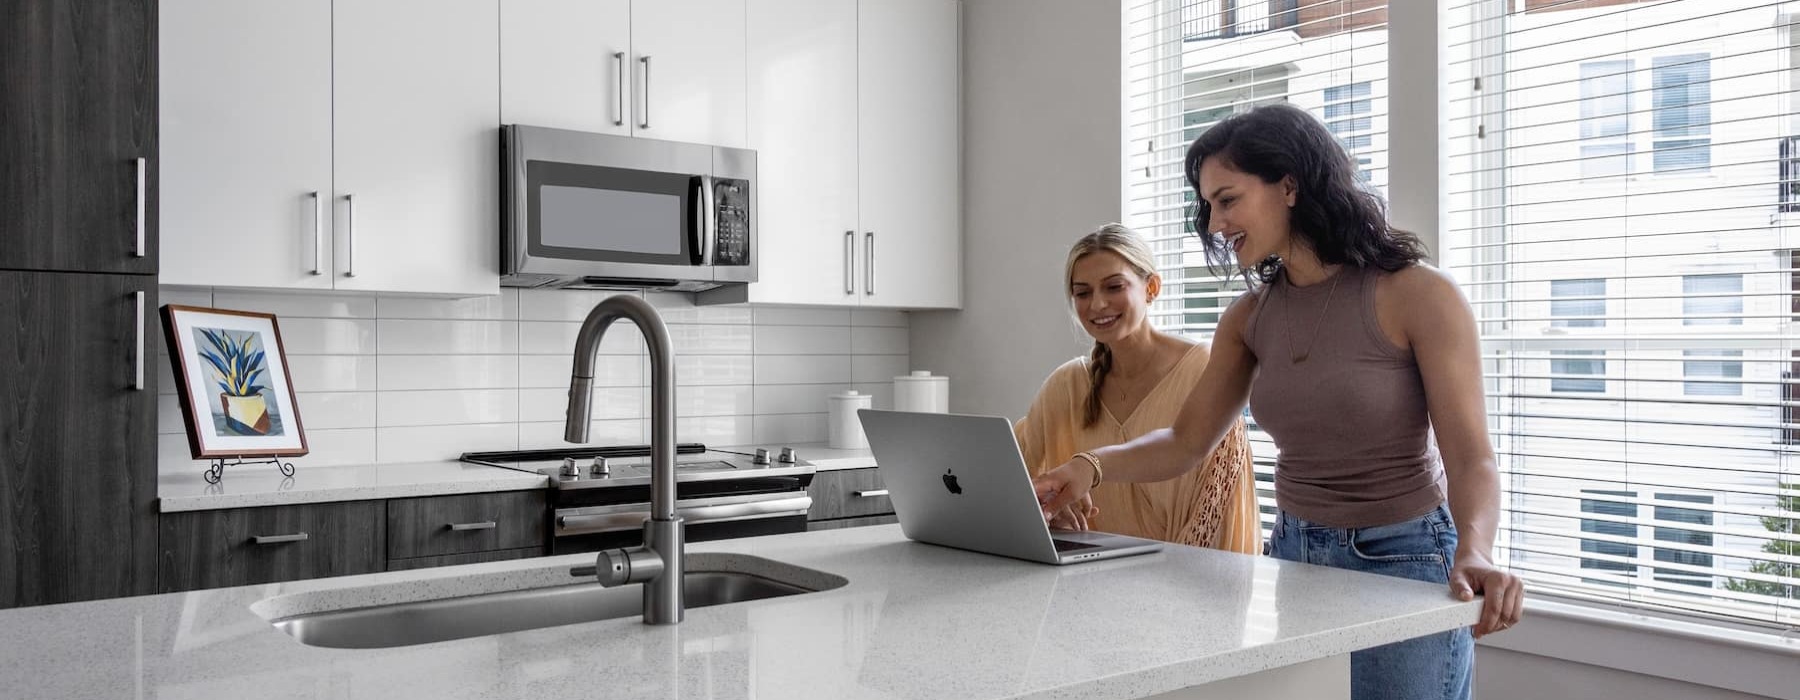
<point x="600" y="467"/>
<point x="761" y="458"/>
<point x="570" y="468"/>
<point x="788" y="456"/>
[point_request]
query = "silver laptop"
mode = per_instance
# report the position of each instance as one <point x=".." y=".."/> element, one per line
<point x="959" y="481"/>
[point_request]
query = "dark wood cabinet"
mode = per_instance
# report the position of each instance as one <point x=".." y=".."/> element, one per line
<point x="242" y="546"/>
<point x="77" y="437"/>
<point x="78" y="105"/>
<point x="465" y="523"/>
<point x="847" y="493"/>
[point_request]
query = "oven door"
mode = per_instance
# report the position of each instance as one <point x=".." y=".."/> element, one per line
<point x="712" y="518"/>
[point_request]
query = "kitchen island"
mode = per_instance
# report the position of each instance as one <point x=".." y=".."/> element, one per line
<point x="914" y="621"/>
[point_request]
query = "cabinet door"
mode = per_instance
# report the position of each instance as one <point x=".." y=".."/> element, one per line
<point x="474" y="522"/>
<point x="244" y="546"/>
<point x="802" y="91"/>
<point x="246" y="143"/>
<point x="78" y="471"/>
<point x="78" y="105"/>
<point x="416" y="145"/>
<point x="688" y="59"/>
<point x="566" y="64"/>
<point x="909" y="174"/>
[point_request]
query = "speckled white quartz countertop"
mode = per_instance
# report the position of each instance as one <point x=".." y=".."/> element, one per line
<point x="915" y="621"/>
<point x="263" y="485"/>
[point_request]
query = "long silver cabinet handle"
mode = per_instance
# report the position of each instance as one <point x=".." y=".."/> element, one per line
<point x="870" y="493"/>
<point x="849" y="262"/>
<point x="623" y="520"/>
<point x="143" y="172"/>
<point x="278" y="539"/>
<point x="464" y="527"/>
<point x="645" y="123"/>
<point x="350" y="236"/>
<point x="137" y="348"/>
<point x="869" y="274"/>
<point x="619" y="95"/>
<point x="318" y="267"/>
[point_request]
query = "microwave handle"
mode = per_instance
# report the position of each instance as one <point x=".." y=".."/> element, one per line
<point x="706" y="229"/>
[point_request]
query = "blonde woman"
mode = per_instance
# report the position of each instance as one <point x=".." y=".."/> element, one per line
<point x="1133" y="382"/>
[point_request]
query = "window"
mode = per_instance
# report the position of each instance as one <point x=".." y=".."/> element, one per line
<point x="1712" y="300"/>
<point x="1640" y="336"/>
<point x="1682" y="93"/>
<point x="1716" y="365"/>
<point x="1605" y="118"/>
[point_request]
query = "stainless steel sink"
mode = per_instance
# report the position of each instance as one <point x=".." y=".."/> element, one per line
<point x="497" y="613"/>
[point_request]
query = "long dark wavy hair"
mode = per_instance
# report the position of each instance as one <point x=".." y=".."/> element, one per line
<point x="1334" y="216"/>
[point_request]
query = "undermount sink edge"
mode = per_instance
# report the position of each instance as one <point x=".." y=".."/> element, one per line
<point x="741" y="574"/>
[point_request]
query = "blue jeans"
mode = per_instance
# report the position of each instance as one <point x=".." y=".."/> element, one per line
<point x="1438" y="666"/>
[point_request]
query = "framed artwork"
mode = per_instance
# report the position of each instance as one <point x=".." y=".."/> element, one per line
<point x="231" y="377"/>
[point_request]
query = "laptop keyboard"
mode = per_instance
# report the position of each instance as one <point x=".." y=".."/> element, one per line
<point x="1067" y="546"/>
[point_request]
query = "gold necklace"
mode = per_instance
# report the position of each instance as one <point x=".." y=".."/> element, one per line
<point x="1297" y="358"/>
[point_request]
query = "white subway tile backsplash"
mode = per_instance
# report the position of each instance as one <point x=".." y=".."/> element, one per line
<point x="714" y="370"/>
<point x="427" y="443"/>
<point x="451" y="407"/>
<point x="558" y="338"/>
<point x="500" y="307"/>
<point x="548" y="434"/>
<point x="336" y="410"/>
<point x="327" y="336"/>
<point x="680" y="308"/>
<point x="715" y="430"/>
<point x="790" y="429"/>
<point x="545" y="371"/>
<point x="870" y="369"/>
<point x="185" y="296"/>
<point x="694" y="401"/>
<point x="287" y="305"/>
<point x="165" y="374"/>
<point x="802" y="369"/>
<point x="333" y="372"/>
<point x="608" y="403"/>
<point x="794" y="398"/>
<point x="710" y="339"/>
<point x="883" y="393"/>
<point x="874" y="340"/>
<point x="562" y="304"/>
<point x="802" y="340"/>
<point x="879" y="317"/>
<point x="414" y="372"/>
<point x="415" y="337"/>
<point x="799" y="316"/>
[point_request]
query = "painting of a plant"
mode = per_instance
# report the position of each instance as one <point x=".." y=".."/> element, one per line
<point x="235" y="364"/>
<point x="231" y="374"/>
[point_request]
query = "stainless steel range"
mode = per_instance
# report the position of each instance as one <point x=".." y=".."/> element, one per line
<point x="600" y="496"/>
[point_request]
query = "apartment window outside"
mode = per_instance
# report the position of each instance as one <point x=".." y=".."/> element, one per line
<point x="1618" y="555"/>
<point x="1569" y="369"/>
<point x="1585" y="298"/>
<point x="1682" y="96"/>
<point x="1605" y="118"/>
<point x="1712" y="300"/>
<point x="1697" y="538"/>
<point x="1716" y="364"/>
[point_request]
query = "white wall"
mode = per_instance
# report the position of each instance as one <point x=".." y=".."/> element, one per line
<point x="1041" y="168"/>
<point x="1509" y="675"/>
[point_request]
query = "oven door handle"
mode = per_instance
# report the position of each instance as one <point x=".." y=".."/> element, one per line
<point x="691" y="512"/>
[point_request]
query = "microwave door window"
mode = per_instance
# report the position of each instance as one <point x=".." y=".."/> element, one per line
<point x="646" y="223"/>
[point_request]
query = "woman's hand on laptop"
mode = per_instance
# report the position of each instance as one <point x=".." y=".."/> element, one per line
<point x="1061" y="487"/>
<point x="1077" y="516"/>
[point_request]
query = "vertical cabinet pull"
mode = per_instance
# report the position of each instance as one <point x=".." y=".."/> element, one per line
<point x="849" y="262"/>
<point x="318" y="267"/>
<point x="869" y="274"/>
<point x="645" y="122"/>
<point x="143" y="167"/>
<point x="137" y="345"/>
<point x="619" y="94"/>
<point x="350" y="236"/>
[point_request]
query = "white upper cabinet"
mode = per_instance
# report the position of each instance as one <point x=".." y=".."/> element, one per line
<point x="417" y="146"/>
<point x="321" y="145"/>
<point x="245" y="152"/>
<point x="802" y="90"/>
<point x="567" y="64"/>
<point x="909" y="172"/>
<point x="688" y="67"/>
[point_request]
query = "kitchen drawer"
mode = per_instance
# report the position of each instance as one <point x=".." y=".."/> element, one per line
<point x="475" y="522"/>
<point x="848" y="493"/>
<point x="243" y="546"/>
<point x="472" y="558"/>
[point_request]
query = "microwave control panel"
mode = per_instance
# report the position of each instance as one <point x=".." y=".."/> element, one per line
<point x="731" y="213"/>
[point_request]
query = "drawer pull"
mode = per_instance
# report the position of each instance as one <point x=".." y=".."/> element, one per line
<point x="462" y="527"/>
<point x="278" y="539"/>
<point x="869" y="494"/>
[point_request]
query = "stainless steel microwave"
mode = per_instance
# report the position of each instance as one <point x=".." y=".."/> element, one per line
<point x="600" y="211"/>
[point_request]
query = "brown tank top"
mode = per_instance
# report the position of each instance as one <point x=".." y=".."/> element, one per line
<point x="1349" y="419"/>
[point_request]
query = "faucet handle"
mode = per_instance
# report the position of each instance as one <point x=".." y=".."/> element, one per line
<point x="761" y="458"/>
<point x="600" y="467"/>
<point x="570" y="468"/>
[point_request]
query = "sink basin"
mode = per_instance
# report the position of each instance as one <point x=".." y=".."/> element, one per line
<point x="422" y="622"/>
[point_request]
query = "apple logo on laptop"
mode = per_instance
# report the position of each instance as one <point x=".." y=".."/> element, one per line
<point x="950" y="482"/>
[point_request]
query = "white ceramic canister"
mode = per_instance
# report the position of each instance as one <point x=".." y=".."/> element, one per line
<point x="843" y="427"/>
<point x="922" y="393"/>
